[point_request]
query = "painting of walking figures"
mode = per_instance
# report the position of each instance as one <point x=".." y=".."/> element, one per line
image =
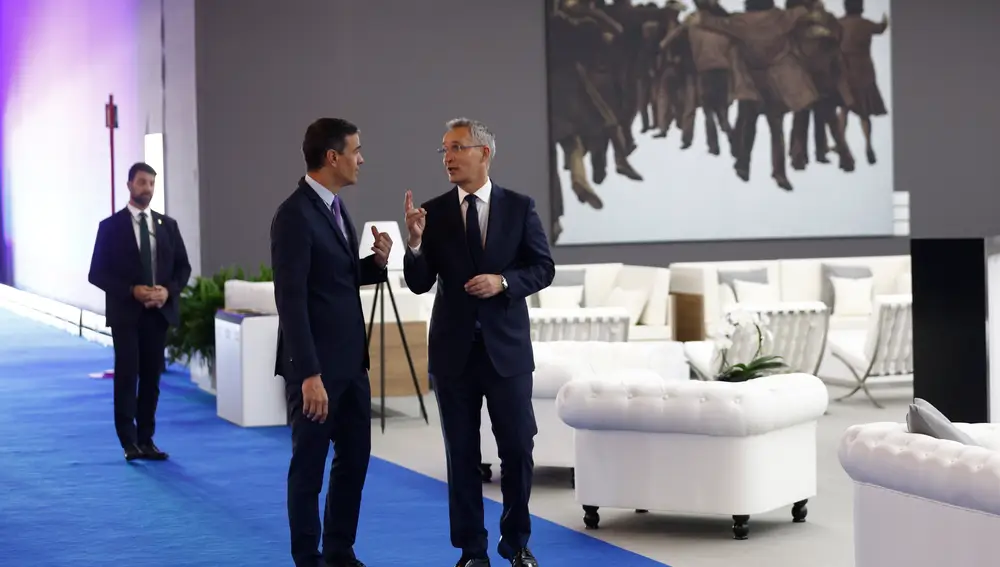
<point x="695" y="120"/>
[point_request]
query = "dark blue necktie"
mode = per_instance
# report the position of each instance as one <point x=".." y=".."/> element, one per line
<point x="473" y="236"/>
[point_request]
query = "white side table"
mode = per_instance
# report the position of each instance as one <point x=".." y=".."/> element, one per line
<point x="246" y="389"/>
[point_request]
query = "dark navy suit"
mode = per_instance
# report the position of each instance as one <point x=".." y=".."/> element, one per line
<point x="317" y="275"/>
<point x="139" y="334"/>
<point x="481" y="348"/>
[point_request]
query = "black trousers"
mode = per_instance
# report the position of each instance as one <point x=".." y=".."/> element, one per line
<point x="508" y="400"/>
<point x="348" y="426"/>
<point x="139" y="355"/>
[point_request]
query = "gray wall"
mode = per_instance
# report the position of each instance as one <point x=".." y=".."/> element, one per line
<point x="400" y="68"/>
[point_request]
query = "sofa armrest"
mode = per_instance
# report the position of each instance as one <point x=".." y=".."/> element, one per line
<point x="885" y="454"/>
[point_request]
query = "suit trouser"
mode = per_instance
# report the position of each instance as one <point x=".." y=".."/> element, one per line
<point x="508" y="400"/>
<point x="139" y="360"/>
<point x="348" y="426"/>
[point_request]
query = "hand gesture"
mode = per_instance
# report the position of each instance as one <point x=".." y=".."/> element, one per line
<point x="381" y="248"/>
<point x="315" y="403"/>
<point x="416" y="220"/>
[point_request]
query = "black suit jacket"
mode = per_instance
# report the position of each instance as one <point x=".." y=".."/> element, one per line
<point x="516" y="247"/>
<point x="116" y="267"/>
<point x="317" y="276"/>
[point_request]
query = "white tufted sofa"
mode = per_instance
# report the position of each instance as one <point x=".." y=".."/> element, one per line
<point x="559" y="362"/>
<point x="695" y="447"/>
<point x="921" y="501"/>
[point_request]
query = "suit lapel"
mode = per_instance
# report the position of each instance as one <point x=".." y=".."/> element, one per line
<point x="128" y="232"/>
<point x="352" y="242"/>
<point x="162" y="242"/>
<point x="325" y="212"/>
<point x="493" y="224"/>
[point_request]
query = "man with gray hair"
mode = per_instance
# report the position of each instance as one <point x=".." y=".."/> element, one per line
<point x="485" y="247"/>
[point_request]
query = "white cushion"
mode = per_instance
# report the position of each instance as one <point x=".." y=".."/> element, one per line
<point x="727" y="409"/>
<point x="560" y="297"/>
<point x="755" y="292"/>
<point x="852" y="297"/>
<point x="631" y="300"/>
<point x="887" y="455"/>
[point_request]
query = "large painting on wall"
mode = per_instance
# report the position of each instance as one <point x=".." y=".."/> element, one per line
<point x="695" y="120"/>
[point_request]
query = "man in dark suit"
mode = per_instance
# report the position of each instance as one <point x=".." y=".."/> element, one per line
<point x="485" y="247"/>
<point x="141" y="265"/>
<point x="322" y="350"/>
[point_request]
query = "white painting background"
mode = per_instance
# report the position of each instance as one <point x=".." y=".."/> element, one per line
<point x="691" y="195"/>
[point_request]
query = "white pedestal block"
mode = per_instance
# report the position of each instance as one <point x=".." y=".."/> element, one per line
<point x="246" y="389"/>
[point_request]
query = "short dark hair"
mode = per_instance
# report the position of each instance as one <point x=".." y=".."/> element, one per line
<point x="854" y="7"/>
<point x="140" y="166"/>
<point x="322" y="136"/>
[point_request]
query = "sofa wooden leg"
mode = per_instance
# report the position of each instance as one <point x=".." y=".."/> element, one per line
<point x="799" y="511"/>
<point x="486" y="472"/>
<point x="590" y="517"/>
<point x="740" y="528"/>
<point x="641" y="511"/>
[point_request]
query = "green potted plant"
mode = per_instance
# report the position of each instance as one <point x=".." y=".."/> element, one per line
<point x="742" y="321"/>
<point x="193" y="341"/>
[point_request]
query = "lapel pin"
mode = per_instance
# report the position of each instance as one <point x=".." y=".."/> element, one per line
<point x="159" y="221"/>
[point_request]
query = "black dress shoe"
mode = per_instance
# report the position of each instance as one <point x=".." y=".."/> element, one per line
<point x="132" y="452"/>
<point x="473" y="562"/>
<point x="524" y="558"/>
<point x="345" y="563"/>
<point x="151" y="452"/>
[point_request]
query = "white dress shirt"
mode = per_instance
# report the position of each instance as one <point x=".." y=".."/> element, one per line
<point x="135" y="211"/>
<point x="328" y="197"/>
<point x="482" y="208"/>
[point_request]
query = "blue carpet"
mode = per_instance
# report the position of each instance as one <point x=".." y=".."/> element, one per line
<point x="69" y="498"/>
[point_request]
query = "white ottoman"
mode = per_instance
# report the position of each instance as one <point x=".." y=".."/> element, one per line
<point x="559" y="362"/>
<point x="695" y="447"/>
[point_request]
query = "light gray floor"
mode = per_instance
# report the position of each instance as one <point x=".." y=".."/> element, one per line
<point x="825" y="540"/>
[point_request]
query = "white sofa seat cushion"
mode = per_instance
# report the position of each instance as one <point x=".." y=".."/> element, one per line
<point x="887" y="455"/>
<point x="650" y="333"/>
<point x="726" y="409"/>
<point x="551" y="372"/>
<point x="851" y="346"/>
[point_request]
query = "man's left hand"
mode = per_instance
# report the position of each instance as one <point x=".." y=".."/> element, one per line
<point x="382" y="247"/>
<point x="484" y="286"/>
<point x="158" y="298"/>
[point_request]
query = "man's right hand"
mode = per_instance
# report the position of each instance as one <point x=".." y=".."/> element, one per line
<point x="416" y="220"/>
<point x="315" y="403"/>
<point x="142" y="293"/>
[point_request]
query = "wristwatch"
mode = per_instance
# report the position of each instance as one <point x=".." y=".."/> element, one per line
<point x="503" y="282"/>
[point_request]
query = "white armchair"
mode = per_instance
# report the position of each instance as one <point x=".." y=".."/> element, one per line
<point x="881" y="355"/>
<point x="795" y="331"/>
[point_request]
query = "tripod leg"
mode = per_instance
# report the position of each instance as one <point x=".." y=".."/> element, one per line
<point x="409" y="359"/>
<point x="381" y="355"/>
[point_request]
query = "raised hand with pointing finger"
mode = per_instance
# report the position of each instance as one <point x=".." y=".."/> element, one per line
<point x="381" y="248"/>
<point x="416" y="220"/>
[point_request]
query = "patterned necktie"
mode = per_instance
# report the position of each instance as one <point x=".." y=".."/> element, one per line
<point x="145" y="251"/>
<point x="337" y="217"/>
<point x="473" y="236"/>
